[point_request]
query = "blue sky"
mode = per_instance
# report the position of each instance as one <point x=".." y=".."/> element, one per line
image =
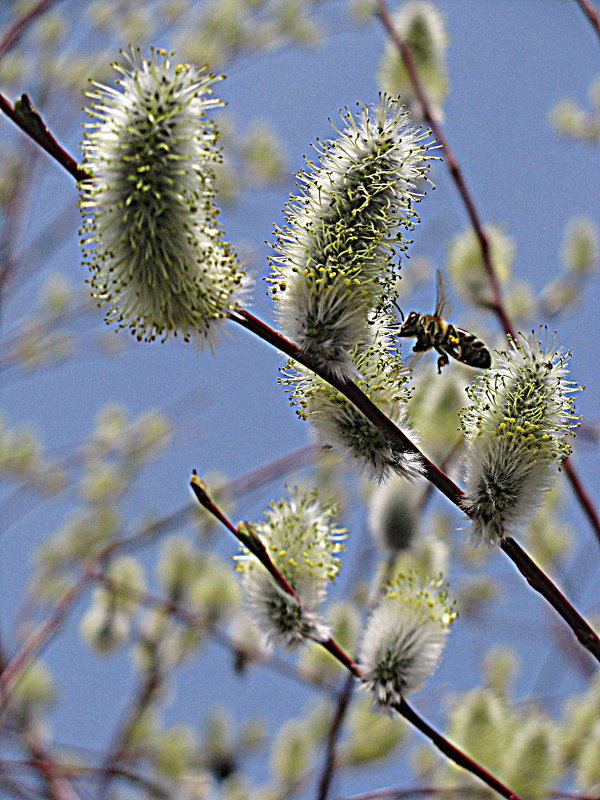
<point x="508" y="64"/>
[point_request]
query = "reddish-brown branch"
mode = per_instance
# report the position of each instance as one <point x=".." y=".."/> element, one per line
<point x="57" y="784"/>
<point x="341" y="709"/>
<point x="119" y="750"/>
<point x="46" y="630"/>
<point x="38" y="638"/>
<point x="357" y="397"/>
<point x="591" y="13"/>
<point x="31" y="123"/>
<point x="73" y="771"/>
<point x="582" y="496"/>
<point x="535" y="576"/>
<point x="497" y="305"/>
<point x="446" y="747"/>
<point x="451" y="163"/>
<point x="199" y="622"/>
<point x="433" y="474"/>
<point x="402" y="708"/>
<point x="246" y="537"/>
<point x="389" y="793"/>
<point x="336" y="651"/>
<point x="16" y="28"/>
<point x="542" y="584"/>
<point x="41" y="635"/>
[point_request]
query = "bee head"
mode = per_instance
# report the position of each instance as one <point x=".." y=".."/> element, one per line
<point x="410" y="326"/>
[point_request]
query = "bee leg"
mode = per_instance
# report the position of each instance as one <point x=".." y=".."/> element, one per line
<point x="420" y="346"/>
<point x="442" y="361"/>
<point x="451" y="334"/>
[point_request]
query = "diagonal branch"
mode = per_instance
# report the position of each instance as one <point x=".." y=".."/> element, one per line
<point x="38" y="638"/>
<point x="355" y="395"/>
<point x="591" y="13"/>
<point x="341" y="708"/>
<point x="28" y="119"/>
<point x="535" y="576"/>
<point x="452" y="163"/>
<point x="438" y="740"/>
<point x="363" y="403"/>
<point x="497" y="305"/>
<point x="14" y="31"/>
<point x="41" y="635"/>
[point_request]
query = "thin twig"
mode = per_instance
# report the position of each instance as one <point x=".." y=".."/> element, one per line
<point x="438" y="740"/>
<point x="389" y="793"/>
<point x="14" y="31"/>
<point x="13" y="788"/>
<point x="497" y="305"/>
<point x="41" y="635"/>
<point x="542" y="584"/>
<point x="591" y="13"/>
<point x="199" y="622"/>
<point x="29" y="120"/>
<point x="451" y="162"/>
<point x="446" y="747"/>
<point x="355" y="395"/>
<point x="57" y="785"/>
<point x="582" y="496"/>
<point x="246" y="537"/>
<point x="84" y="771"/>
<point x="535" y="576"/>
<point x="119" y="749"/>
<point x="335" y="727"/>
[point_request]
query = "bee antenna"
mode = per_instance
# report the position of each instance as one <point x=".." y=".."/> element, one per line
<point x="399" y="310"/>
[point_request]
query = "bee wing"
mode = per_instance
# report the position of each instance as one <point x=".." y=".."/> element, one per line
<point x="442" y="306"/>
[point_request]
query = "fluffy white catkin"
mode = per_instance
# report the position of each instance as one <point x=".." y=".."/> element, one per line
<point x="340" y="425"/>
<point x="302" y="541"/>
<point x="335" y="261"/>
<point x="150" y="233"/>
<point x="405" y="637"/>
<point x="520" y="415"/>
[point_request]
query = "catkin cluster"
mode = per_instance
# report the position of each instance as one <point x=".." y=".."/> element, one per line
<point x="517" y="427"/>
<point x="334" y="273"/>
<point x="150" y="232"/>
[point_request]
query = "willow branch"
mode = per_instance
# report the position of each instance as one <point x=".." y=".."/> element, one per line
<point x="358" y="398"/>
<point x="29" y="120"/>
<point x="402" y="708"/>
<point x="119" y="749"/>
<point x="591" y="13"/>
<point x="40" y="636"/>
<point x="335" y="727"/>
<point x="497" y="305"/>
<point x="199" y="622"/>
<point x="352" y="393"/>
<point x="390" y="793"/>
<point x="542" y="584"/>
<point x="583" y="497"/>
<point x="16" y="28"/>
<point x="246" y="537"/>
<point x="56" y="783"/>
<point x="450" y="161"/>
<point x="534" y="575"/>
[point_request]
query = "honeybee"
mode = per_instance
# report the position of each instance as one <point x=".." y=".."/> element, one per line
<point x="432" y="330"/>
